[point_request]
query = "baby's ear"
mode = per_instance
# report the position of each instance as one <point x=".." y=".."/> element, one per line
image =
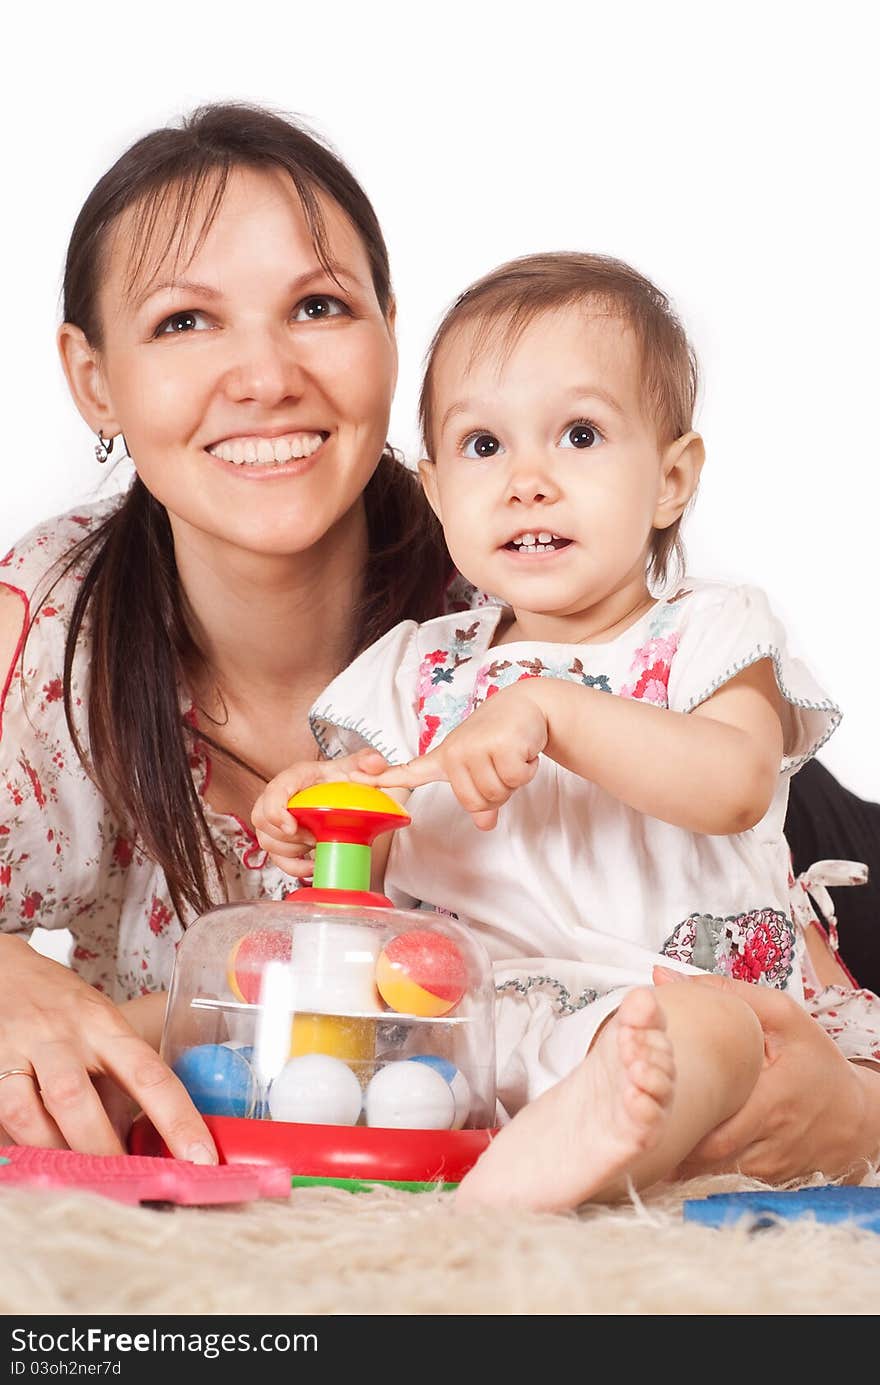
<point x="428" y="474"/>
<point x="679" y="477"/>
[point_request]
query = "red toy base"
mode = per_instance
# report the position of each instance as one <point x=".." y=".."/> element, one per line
<point x="335" y="1151"/>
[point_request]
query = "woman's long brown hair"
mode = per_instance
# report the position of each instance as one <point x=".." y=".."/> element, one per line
<point x="129" y="606"/>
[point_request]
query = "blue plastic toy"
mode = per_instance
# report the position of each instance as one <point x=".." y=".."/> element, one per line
<point x="759" y="1211"/>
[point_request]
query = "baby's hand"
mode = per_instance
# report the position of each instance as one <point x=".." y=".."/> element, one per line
<point x="278" y="832"/>
<point x="485" y="759"/>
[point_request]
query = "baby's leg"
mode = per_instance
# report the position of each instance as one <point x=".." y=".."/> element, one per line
<point x="669" y="1066"/>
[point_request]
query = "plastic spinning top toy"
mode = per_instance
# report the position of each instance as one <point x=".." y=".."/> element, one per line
<point x="331" y="1033"/>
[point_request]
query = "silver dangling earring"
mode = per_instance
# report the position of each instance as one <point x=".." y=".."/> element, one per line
<point x="103" y="447"/>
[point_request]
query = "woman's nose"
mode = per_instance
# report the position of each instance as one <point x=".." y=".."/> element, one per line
<point x="265" y="370"/>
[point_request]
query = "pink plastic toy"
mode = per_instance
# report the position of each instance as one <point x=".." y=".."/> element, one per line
<point x="134" y="1178"/>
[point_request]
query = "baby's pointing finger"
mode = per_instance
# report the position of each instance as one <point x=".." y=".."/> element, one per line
<point x="425" y="769"/>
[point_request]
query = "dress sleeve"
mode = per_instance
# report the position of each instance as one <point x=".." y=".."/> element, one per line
<point x="725" y="630"/>
<point x="51" y="821"/>
<point x="373" y="702"/>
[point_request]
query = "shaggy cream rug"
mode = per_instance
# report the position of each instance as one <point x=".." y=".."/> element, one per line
<point x="327" y="1251"/>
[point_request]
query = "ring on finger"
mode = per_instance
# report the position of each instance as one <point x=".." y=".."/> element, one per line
<point x="18" y="1072"/>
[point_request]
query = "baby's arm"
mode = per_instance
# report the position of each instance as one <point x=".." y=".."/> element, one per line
<point x="288" y="843"/>
<point x="713" y="770"/>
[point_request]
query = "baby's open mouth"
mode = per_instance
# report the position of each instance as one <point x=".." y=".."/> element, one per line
<point x="256" y="451"/>
<point x="543" y="542"/>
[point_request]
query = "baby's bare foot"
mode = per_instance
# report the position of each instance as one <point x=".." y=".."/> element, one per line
<point x="584" y="1136"/>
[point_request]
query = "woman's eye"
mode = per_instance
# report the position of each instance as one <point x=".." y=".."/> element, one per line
<point x="318" y="307"/>
<point x="177" y="323"/>
<point x="581" y="435"/>
<point x="480" y="445"/>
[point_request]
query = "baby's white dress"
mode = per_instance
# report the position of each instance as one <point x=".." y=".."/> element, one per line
<point x="574" y="894"/>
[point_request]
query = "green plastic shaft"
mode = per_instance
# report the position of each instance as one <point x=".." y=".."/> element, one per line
<point x="341" y="866"/>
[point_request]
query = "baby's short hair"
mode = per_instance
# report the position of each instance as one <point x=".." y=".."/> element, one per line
<point x="514" y="294"/>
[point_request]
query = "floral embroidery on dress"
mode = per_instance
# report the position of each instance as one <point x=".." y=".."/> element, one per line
<point x="438" y="708"/>
<point x="652" y="661"/>
<point x="435" y="706"/>
<point x="757" y="946"/>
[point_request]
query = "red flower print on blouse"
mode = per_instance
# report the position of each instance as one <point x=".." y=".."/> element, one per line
<point x="160" y="917"/>
<point x="5" y="875"/>
<point x="123" y="851"/>
<point x="37" y="786"/>
<point x="30" y="904"/>
<point x="54" y="691"/>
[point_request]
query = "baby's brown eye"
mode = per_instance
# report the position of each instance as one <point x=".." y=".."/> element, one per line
<point x="481" y="445"/>
<point x="582" y="435"/>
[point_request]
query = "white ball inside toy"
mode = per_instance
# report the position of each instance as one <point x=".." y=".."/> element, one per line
<point x="409" y="1096"/>
<point x="461" y="1088"/>
<point x="315" y="1089"/>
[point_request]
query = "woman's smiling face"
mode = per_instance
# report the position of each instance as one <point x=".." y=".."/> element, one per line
<point x="252" y="388"/>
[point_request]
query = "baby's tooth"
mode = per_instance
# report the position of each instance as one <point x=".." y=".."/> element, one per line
<point x="527" y="538"/>
<point x="545" y="538"/>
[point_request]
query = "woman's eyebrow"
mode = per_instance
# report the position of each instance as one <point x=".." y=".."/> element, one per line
<point x="182" y="285"/>
<point x="302" y="281"/>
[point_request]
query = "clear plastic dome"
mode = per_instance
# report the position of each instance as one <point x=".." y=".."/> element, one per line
<point x="334" y="1015"/>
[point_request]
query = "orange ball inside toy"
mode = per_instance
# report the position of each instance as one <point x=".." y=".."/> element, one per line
<point x="244" y="966"/>
<point x="421" y="973"/>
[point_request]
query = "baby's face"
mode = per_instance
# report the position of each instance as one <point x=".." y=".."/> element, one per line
<point x="548" y="468"/>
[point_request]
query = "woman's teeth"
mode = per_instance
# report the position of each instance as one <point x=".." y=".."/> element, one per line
<point x="536" y="543"/>
<point x="267" y="451"/>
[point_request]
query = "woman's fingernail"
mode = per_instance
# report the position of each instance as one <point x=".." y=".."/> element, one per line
<point x="200" y="1154"/>
<point x="668" y="974"/>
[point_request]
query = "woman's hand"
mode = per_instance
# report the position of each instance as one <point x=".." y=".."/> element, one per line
<point x="70" y="1040"/>
<point x="490" y="755"/>
<point x="278" y="832"/>
<point x="810" y="1109"/>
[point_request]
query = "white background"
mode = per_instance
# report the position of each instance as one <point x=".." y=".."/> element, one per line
<point x="730" y="154"/>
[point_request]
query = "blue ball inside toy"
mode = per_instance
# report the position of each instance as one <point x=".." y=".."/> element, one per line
<point x="220" y="1080"/>
<point x="261" y="1107"/>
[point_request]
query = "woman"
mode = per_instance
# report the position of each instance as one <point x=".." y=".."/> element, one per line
<point x="228" y="312"/>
